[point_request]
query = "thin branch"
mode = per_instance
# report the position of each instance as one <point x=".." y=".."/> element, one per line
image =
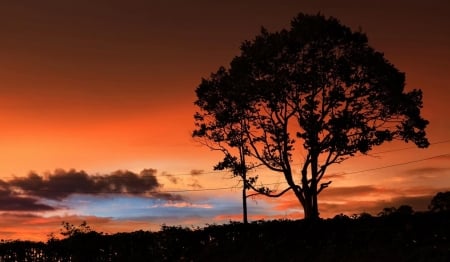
<point x="268" y="194"/>
<point x="323" y="186"/>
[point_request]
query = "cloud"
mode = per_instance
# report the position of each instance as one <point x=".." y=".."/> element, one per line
<point x="362" y="198"/>
<point x="419" y="203"/>
<point x="335" y="176"/>
<point x="427" y="171"/>
<point x="195" y="184"/>
<point x="172" y="178"/>
<point x="61" y="184"/>
<point x="418" y="198"/>
<point x="196" y="172"/>
<point x="13" y="202"/>
<point x="166" y="196"/>
<point x="225" y="218"/>
<point x="351" y="191"/>
<point x="184" y="205"/>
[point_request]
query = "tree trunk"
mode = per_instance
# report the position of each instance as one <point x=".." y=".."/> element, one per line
<point x="310" y="208"/>
<point x="244" y="197"/>
<point x="307" y="209"/>
<point x="243" y="171"/>
<point x="309" y="191"/>
<point x="244" y="205"/>
<point x="313" y="186"/>
<point x="307" y="200"/>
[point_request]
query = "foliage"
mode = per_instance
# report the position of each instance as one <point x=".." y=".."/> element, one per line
<point x="416" y="237"/>
<point x="316" y="89"/>
<point x="223" y="129"/>
<point x="69" y="230"/>
<point x="440" y="202"/>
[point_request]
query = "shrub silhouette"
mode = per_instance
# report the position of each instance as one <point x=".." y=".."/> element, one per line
<point x="421" y="236"/>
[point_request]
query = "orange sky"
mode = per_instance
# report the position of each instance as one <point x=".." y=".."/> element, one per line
<point x="106" y="85"/>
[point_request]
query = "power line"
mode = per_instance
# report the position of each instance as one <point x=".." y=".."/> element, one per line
<point x="235" y="187"/>
<point x="259" y="167"/>
<point x="355" y="172"/>
<point x="398" y="164"/>
<point x="407" y="148"/>
<point x="165" y="174"/>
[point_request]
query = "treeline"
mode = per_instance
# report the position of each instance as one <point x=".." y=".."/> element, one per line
<point x="392" y="236"/>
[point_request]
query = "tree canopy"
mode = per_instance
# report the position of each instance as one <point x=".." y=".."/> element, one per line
<point x="316" y="89"/>
<point x="440" y="202"/>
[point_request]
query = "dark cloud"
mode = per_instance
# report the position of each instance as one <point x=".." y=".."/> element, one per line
<point x="173" y="179"/>
<point x="363" y="198"/>
<point x="196" y="172"/>
<point x="167" y="196"/>
<point x="421" y="190"/>
<point x="9" y="201"/>
<point x="195" y="184"/>
<point x="330" y="209"/>
<point x="419" y="203"/>
<point x="60" y="184"/>
<point x="190" y="181"/>
<point x="335" y="176"/>
<point x="423" y="171"/>
<point x="333" y="192"/>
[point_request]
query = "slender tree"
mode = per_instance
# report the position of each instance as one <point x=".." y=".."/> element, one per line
<point x="221" y="127"/>
<point x="316" y="89"/>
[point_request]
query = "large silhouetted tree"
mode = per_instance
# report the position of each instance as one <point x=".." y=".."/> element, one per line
<point x="317" y="91"/>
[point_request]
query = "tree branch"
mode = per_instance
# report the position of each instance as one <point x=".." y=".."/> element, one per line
<point x="268" y="194"/>
<point x="323" y="186"/>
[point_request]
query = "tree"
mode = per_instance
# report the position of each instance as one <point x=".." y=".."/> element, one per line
<point x="222" y="126"/>
<point x="440" y="202"/>
<point x="317" y="90"/>
<point x="69" y="230"/>
<point x="387" y="211"/>
<point x="405" y="210"/>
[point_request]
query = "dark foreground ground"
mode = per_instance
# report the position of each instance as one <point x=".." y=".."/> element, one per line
<point x="394" y="237"/>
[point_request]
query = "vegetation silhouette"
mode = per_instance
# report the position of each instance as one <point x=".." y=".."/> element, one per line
<point x="317" y="89"/>
<point x="398" y="235"/>
<point x="235" y="154"/>
<point x="440" y="202"/>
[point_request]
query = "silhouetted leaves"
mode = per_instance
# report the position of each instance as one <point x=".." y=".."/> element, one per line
<point x="415" y="237"/>
<point x="69" y="230"/>
<point x="323" y="82"/>
<point x="440" y="202"/>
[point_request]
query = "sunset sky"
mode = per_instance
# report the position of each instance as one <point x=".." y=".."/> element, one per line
<point x="96" y="99"/>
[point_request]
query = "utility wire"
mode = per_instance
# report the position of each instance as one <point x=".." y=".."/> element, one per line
<point x="278" y="183"/>
<point x="398" y="164"/>
<point x="349" y="173"/>
<point x="407" y="148"/>
<point x="235" y="187"/>
<point x="260" y="167"/>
